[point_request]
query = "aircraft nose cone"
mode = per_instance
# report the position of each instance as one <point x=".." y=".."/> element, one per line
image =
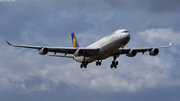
<point x="126" y="35"/>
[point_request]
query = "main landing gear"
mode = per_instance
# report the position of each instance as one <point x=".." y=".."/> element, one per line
<point x="84" y="63"/>
<point x="98" y="63"/>
<point x="114" y="62"/>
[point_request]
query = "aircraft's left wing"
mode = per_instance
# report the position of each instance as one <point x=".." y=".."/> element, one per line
<point x="65" y="50"/>
<point x="138" y="50"/>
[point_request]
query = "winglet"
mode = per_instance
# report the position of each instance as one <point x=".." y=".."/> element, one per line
<point x="170" y="44"/>
<point x="9" y="43"/>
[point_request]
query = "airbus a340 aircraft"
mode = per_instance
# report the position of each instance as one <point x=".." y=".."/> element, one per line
<point x="111" y="45"/>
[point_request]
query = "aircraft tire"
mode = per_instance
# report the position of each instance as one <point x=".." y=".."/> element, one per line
<point x="115" y="66"/>
<point x="117" y="62"/>
<point x="86" y="62"/>
<point x="111" y="66"/>
<point x="99" y="63"/>
<point x="81" y="66"/>
<point x="113" y="62"/>
<point x="85" y="66"/>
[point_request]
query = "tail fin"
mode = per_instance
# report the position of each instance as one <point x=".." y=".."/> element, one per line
<point x="74" y="40"/>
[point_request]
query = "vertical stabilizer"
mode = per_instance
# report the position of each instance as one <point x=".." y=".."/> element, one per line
<point x="74" y="40"/>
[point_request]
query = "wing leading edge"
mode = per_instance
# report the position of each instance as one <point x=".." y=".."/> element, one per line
<point x="65" y="50"/>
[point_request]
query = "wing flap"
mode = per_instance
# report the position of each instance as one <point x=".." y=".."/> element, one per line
<point x="71" y="50"/>
<point x="61" y="56"/>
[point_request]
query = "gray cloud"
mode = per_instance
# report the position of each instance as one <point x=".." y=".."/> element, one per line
<point x="156" y="6"/>
<point x="164" y="5"/>
<point x="25" y="75"/>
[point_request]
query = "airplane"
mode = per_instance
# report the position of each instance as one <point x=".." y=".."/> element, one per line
<point x="111" y="45"/>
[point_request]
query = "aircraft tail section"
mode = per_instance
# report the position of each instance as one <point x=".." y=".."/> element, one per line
<point x="74" y="40"/>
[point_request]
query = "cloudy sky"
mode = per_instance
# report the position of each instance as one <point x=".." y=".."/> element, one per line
<point x="27" y="76"/>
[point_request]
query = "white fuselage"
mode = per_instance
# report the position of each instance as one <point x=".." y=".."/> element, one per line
<point x="107" y="45"/>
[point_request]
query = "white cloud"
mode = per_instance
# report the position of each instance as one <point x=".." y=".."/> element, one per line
<point x="161" y="35"/>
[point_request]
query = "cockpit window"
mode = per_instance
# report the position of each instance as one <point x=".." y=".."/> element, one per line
<point x="125" y="32"/>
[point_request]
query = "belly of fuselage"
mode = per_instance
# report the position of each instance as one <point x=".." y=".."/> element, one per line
<point x="106" y="50"/>
<point x="109" y="48"/>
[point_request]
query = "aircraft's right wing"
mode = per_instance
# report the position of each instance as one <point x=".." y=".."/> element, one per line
<point x="138" y="50"/>
<point x="65" y="50"/>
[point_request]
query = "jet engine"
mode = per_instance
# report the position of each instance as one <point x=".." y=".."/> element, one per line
<point x="131" y="53"/>
<point x="43" y="51"/>
<point x="154" y="52"/>
<point x="79" y="52"/>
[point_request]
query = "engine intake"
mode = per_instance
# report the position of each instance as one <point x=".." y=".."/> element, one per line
<point x="154" y="52"/>
<point x="131" y="53"/>
<point x="79" y="52"/>
<point x="43" y="51"/>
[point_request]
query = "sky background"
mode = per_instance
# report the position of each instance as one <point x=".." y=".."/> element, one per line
<point x="27" y="76"/>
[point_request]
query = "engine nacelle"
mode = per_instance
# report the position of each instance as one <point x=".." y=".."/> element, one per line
<point x="43" y="51"/>
<point x="79" y="52"/>
<point x="154" y="52"/>
<point x="131" y="53"/>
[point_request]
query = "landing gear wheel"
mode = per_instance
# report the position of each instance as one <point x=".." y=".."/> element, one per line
<point x="114" y="62"/>
<point x="117" y="62"/>
<point x="115" y="66"/>
<point x="81" y="66"/>
<point x="84" y="64"/>
<point x="98" y="63"/>
<point x="111" y="66"/>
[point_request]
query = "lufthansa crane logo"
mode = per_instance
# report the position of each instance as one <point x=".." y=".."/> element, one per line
<point x="74" y="42"/>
